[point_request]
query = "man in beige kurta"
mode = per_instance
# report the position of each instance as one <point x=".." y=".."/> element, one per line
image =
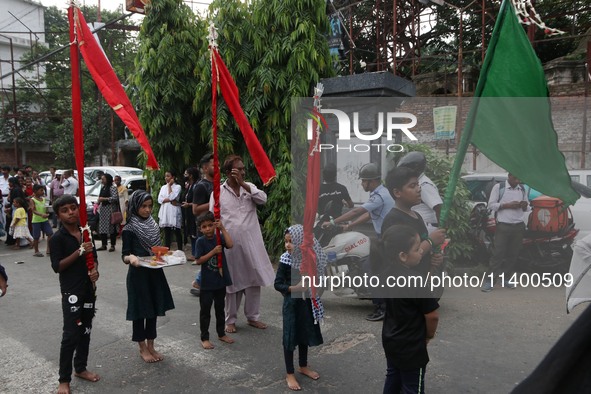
<point x="248" y="261"/>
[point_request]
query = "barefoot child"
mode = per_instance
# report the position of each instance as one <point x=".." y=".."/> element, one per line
<point x="40" y="219"/>
<point x="148" y="294"/>
<point x="411" y="315"/>
<point x="68" y="258"/>
<point x="18" y="226"/>
<point x="213" y="278"/>
<point x="300" y="315"/>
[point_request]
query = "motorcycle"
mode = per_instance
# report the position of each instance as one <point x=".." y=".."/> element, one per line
<point x="540" y="252"/>
<point x="348" y="255"/>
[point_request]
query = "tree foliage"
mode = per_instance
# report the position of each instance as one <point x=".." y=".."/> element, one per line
<point x="50" y="95"/>
<point x="275" y="50"/>
<point x="171" y="43"/>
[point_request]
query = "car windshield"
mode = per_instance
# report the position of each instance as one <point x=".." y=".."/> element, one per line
<point x="88" y="180"/>
<point x="126" y="173"/>
<point x="94" y="190"/>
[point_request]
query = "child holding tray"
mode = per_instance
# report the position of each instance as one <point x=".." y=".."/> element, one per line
<point x="148" y="294"/>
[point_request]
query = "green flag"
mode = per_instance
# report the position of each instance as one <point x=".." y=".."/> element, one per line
<point x="510" y="118"/>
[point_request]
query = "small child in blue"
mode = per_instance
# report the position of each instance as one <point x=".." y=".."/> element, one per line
<point x="214" y="279"/>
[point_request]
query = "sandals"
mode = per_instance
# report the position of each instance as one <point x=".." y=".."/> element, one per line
<point x="38" y="254"/>
<point x="257" y="324"/>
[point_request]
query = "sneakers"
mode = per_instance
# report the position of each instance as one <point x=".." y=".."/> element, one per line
<point x="487" y="287"/>
<point x="377" y="315"/>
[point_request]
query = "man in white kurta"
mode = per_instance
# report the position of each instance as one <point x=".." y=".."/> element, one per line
<point x="248" y="261"/>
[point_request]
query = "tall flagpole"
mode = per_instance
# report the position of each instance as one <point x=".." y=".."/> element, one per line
<point x="212" y="37"/>
<point x="78" y="131"/>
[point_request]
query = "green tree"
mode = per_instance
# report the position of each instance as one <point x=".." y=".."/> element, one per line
<point x="51" y="94"/>
<point x="172" y="41"/>
<point x="275" y="50"/>
<point x="293" y="55"/>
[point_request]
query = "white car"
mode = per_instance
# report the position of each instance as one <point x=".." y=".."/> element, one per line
<point x="132" y="183"/>
<point x="123" y="172"/>
<point x="481" y="184"/>
<point x="581" y="176"/>
<point x="46" y="176"/>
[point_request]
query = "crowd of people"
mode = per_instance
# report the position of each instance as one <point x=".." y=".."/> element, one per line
<point x="26" y="216"/>
<point x="233" y="260"/>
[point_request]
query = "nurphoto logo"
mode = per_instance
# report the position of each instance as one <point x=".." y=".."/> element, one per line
<point x="388" y="122"/>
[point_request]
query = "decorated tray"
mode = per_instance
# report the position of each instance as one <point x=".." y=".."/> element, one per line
<point x="165" y="261"/>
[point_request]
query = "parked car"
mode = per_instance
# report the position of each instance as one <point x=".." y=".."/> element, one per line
<point x="133" y="183"/>
<point x="581" y="176"/>
<point x="481" y="184"/>
<point x="46" y="176"/>
<point x="123" y="172"/>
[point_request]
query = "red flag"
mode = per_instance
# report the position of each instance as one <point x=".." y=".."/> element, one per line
<point x="78" y="134"/>
<point x="230" y="92"/>
<point x="308" y="267"/>
<point x="105" y="78"/>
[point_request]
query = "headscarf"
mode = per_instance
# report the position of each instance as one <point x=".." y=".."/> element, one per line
<point x="295" y="261"/>
<point x="145" y="229"/>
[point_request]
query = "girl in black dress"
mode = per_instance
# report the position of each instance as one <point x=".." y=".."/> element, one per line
<point x="148" y="294"/>
<point x="301" y="315"/>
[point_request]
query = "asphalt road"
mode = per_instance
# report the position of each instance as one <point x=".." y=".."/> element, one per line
<point x="486" y="343"/>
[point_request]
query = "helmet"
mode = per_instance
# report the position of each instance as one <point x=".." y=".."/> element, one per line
<point x="415" y="161"/>
<point x="369" y="171"/>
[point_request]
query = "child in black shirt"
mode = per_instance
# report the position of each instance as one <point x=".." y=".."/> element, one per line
<point x="68" y="258"/>
<point x="214" y="279"/>
<point x="411" y="315"/>
<point x="403" y="185"/>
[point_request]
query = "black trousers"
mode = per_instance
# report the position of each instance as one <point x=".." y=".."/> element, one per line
<point x="104" y="238"/>
<point x="302" y="358"/>
<point x="78" y="312"/>
<point x="9" y="238"/>
<point x="403" y="380"/>
<point x="177" y="234"/>
<point x="143" y="329"/>
<point x="206" y="299"/>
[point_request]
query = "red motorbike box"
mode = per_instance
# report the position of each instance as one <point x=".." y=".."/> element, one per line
<point x="548" y="215"/>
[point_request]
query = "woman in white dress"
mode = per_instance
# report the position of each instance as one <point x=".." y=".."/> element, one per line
<point x="169" y="216"/>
